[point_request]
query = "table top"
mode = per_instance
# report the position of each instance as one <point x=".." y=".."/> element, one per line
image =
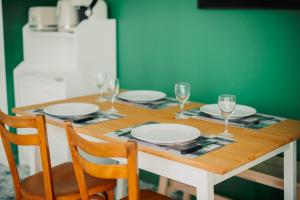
<point x="250" y="145"/>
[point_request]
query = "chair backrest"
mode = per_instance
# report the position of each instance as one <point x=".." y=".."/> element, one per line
<point x="35" y="139"/>
<point x="127" y="150"/>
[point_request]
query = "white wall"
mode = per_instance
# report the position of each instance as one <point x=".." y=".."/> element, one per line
<point x="3" y="95"/>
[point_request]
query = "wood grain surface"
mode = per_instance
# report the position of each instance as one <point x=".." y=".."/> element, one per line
<point x="250" y="145"/>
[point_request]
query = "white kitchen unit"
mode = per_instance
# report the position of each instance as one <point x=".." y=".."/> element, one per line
<point x="60" y="65"/>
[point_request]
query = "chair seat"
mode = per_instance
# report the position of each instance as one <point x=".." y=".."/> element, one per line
<point x="149" y="195"/>
<point x="65" y="183"/>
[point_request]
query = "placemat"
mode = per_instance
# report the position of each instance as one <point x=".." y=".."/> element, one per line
<point x="154" y="105"/>
<point x="84" y="120"/>
<point x="256" y="121"/>
<point x="182" y="149"/>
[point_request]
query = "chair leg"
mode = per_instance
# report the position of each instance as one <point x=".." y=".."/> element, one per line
<point x="110" y="195"/>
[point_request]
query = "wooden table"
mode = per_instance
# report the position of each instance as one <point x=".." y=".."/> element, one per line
<point x="252" y="146"/>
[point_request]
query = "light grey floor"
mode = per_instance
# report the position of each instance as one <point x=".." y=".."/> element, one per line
<point x="7" y="190"/>
<point x="6" y="186"/>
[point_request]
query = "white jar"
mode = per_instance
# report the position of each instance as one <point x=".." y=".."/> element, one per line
<point x="67" y="15"/>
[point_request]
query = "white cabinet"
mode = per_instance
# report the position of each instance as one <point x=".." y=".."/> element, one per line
<point x="60" y="65"/>
<point x="68" y="61"/>
<point x="33" y="89"/>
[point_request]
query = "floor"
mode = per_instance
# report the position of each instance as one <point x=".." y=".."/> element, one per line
<point x="7" y="191"/>
<point x="6" y="186"/>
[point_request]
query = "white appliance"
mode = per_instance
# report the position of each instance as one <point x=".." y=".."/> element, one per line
<point x="42" y="18"/>
<point x="68" y="16"/>
<point x="60" y="65"/>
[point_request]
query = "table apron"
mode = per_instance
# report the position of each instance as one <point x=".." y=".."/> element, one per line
<point x="204" y="180"/>
<point x="172" y="169"/>
<point x="221" y="178"/>
<point x="192" y="176"/>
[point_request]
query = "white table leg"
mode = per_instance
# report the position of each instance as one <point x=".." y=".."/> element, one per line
<point x="121" y="190"/>
<point x="163" y="184"/>
<point x="290" y="190"/>
<point x="205" y="189"/>
<point x="122" y="184"/>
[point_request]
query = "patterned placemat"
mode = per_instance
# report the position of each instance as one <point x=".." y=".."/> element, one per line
<point x="256" y="121"/>
<point x="84" y="120"/>
<point x="154" y="105"/>
<point x="191" y="149"/>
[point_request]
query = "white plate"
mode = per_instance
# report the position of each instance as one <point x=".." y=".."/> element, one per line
<point x="165" y="133"/>
<point x="239" y="112"/>
<point x="142" y="96"/>
<point x="71" y="109"/>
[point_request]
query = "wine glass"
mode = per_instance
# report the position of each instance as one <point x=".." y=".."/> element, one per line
<point x="100" y="81"/>
<point x="113" y="86"/>
<point x="182" y="93"/>
<point x="226" y="104"/>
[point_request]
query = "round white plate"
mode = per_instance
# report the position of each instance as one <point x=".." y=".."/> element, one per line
<point x="239" y="112"/>
<point x="165" y="133"/>
<point x="71" y="109"/>
<point x="142" y="96"/>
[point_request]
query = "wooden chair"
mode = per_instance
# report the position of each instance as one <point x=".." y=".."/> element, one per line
<point x="58" y="182"/>
<point x="111" y="150"/>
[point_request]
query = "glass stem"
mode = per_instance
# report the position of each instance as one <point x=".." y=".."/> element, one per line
<point x="100" y="93"/>
<point x="112" y="102"/>
<point x="181" y="108"/>
<point x="226" y="125"/>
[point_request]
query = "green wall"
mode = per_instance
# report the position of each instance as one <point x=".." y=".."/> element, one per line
<point x="251" y="53"/>
<point x="15" y="16"/>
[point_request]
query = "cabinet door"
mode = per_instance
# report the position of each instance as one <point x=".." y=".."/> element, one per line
<point x="31" y="91"/>
<point x="58" y="145"/>
<point x="58" y="148"/>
